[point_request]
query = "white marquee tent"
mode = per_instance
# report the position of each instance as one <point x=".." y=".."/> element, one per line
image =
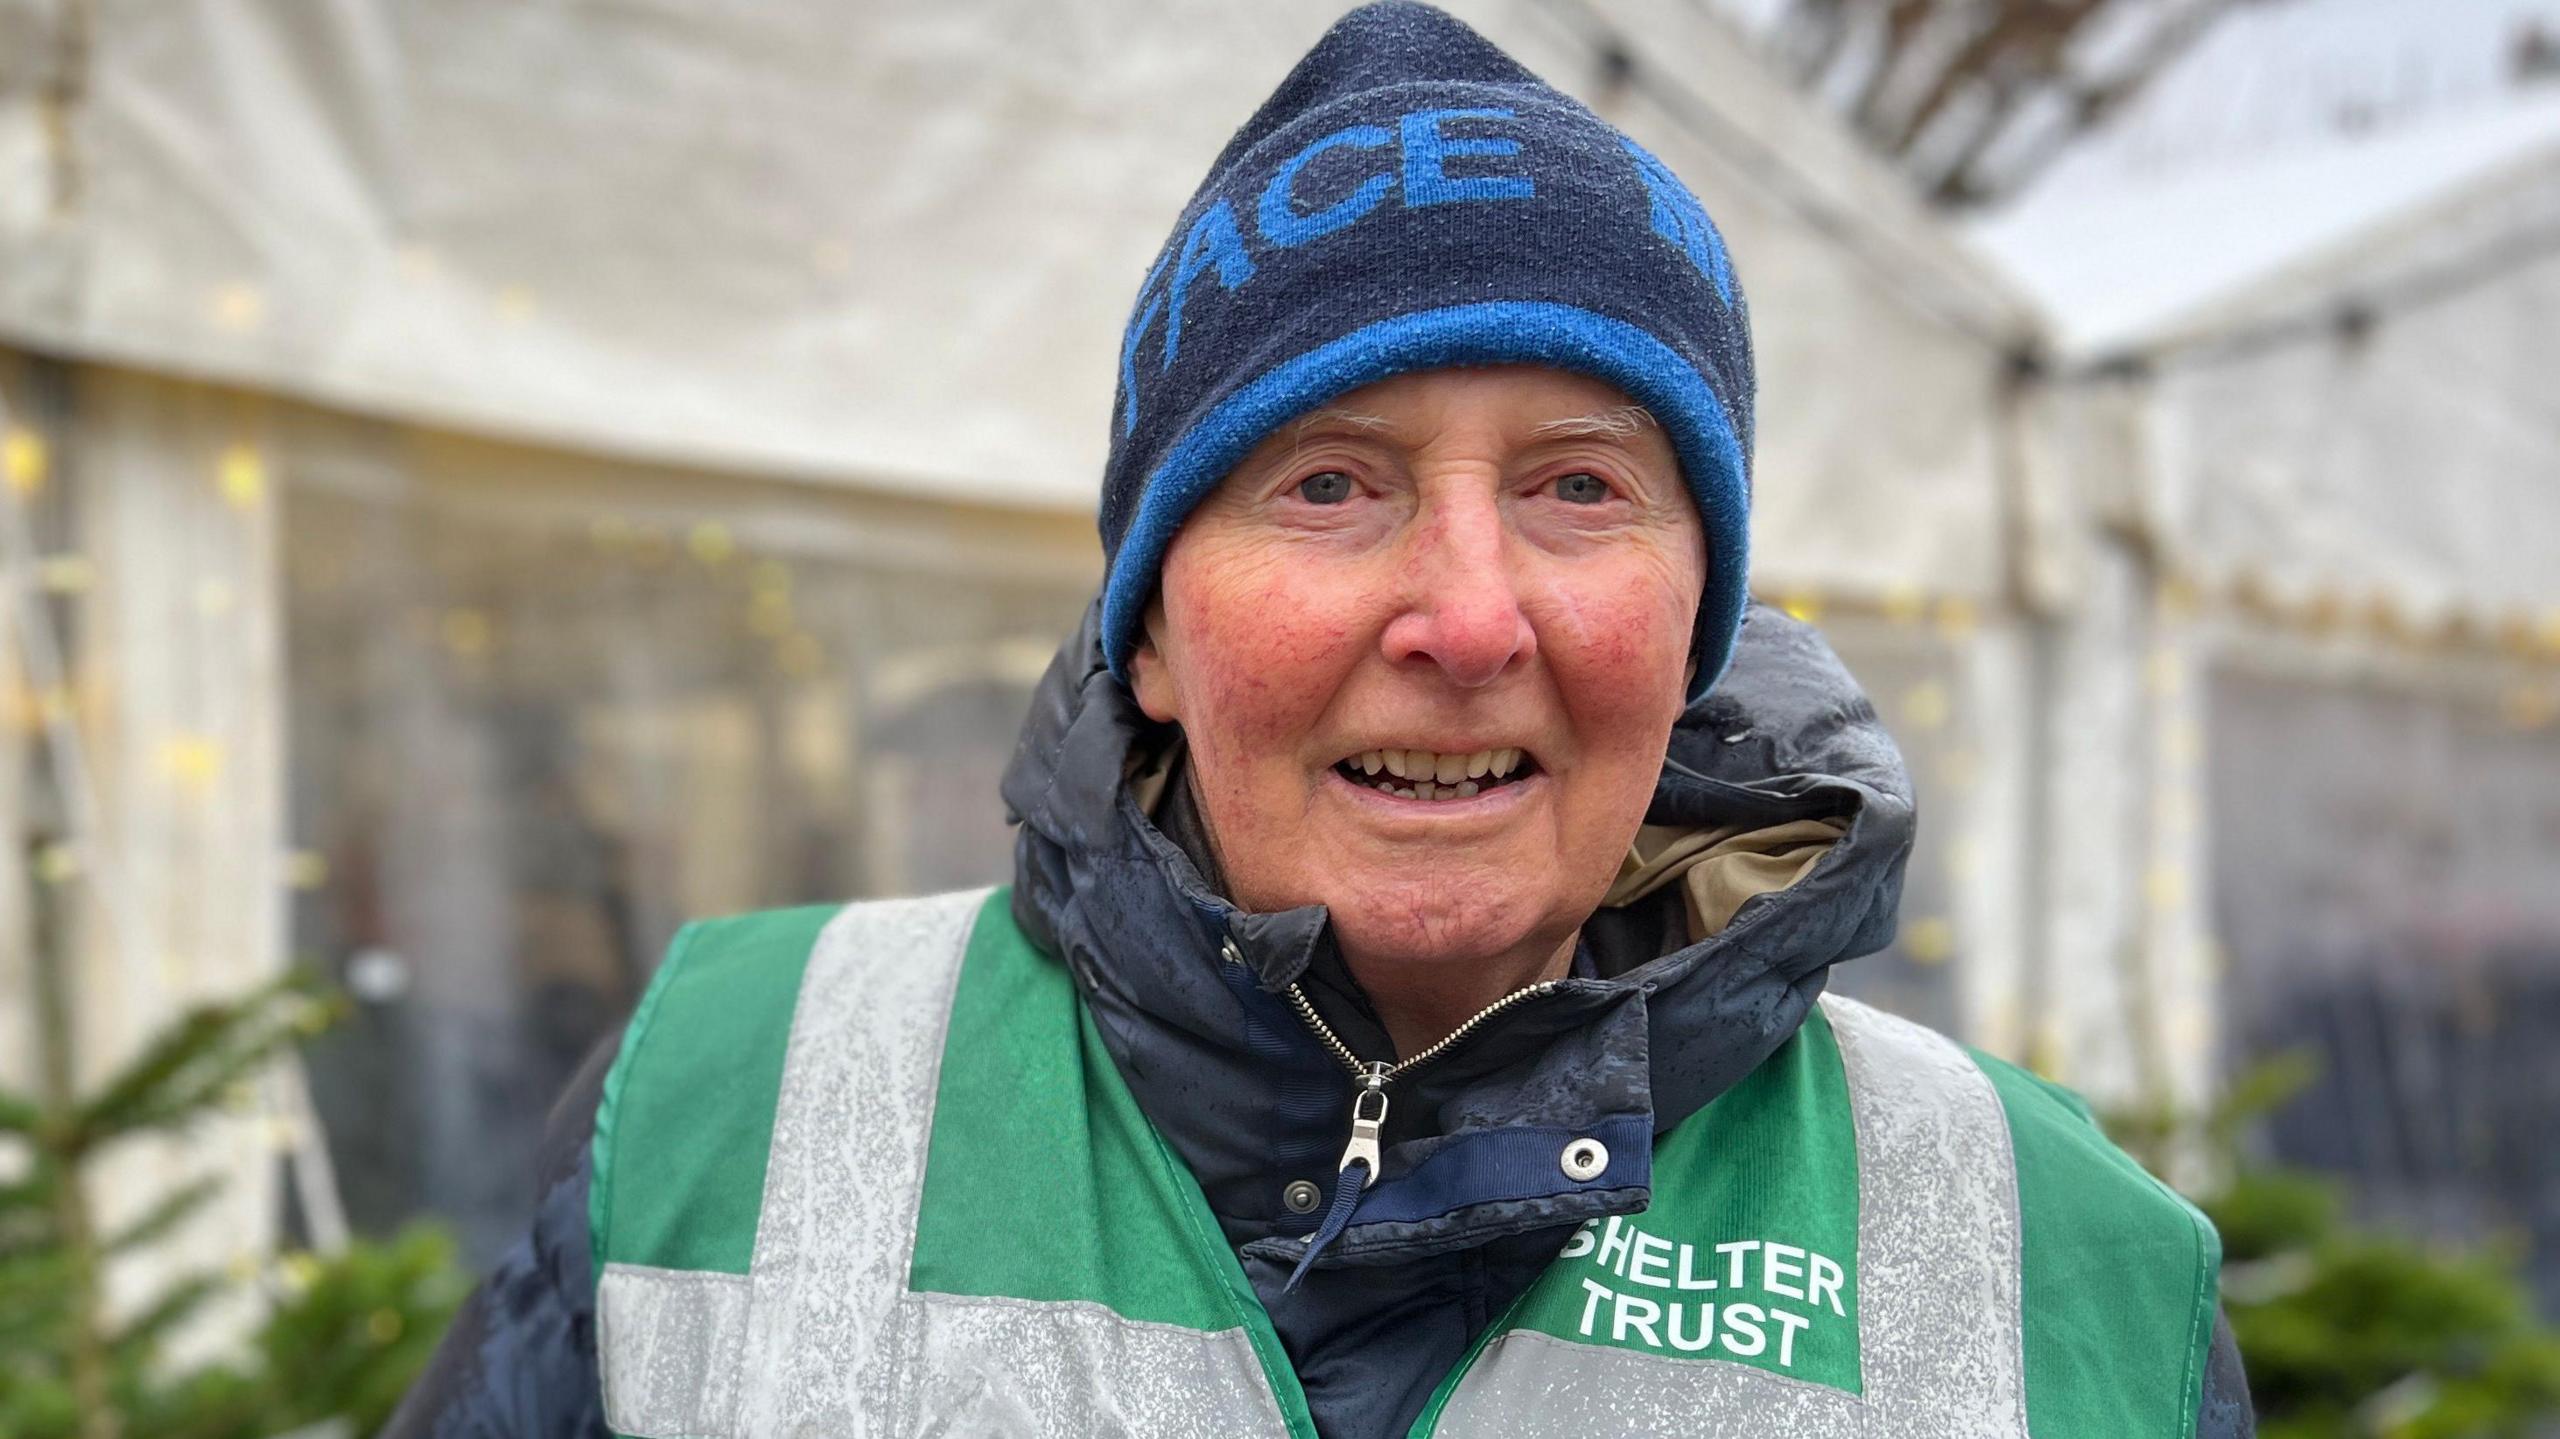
<point x="510" y="476"/>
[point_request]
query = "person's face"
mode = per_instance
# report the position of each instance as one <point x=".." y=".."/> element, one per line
<point x="1452" y="574"/>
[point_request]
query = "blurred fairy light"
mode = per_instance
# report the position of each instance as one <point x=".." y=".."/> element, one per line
<point x="298" y="1271"/>
<point x="2165" y="886"/>
<point x="466" y="632"/>
<point x="66" y="574"/>
<point x="57" y="862"/>
<point x="710" y="542"/>
<point x="242" y="474"/>
<point x="1929" y="941"/>
<point x="23" y="460"/>
<point x="194" y="761"/>
<point x="377" y="975"/>
<point x="306" y="869"/>
<point x="239" y="306"/>
<point x="2312" y="611"/>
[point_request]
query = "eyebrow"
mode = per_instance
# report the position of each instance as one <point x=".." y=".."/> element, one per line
<point x="1618" y="422"/>
<point x="1353" y="419"/>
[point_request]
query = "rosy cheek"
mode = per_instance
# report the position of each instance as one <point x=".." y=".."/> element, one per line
<point x="1617" y="634"/>
<point x="1263" y="669"/>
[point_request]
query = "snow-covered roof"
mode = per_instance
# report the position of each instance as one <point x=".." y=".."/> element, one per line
<point x="2120" y="264"/>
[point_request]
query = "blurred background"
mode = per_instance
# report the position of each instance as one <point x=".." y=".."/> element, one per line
<point x="486" y="481"/>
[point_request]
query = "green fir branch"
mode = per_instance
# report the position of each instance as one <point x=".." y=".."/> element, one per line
<point x="135" y="1341"/>
<point x="19" y="1114"/>
<point x="195" y="1064"/>
<point x="164" y="1216"/>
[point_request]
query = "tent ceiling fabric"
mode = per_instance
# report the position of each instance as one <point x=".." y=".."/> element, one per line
<point x="887" y="245"/>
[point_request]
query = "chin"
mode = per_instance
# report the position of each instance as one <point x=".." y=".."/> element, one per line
<point x="1447" y="922"/>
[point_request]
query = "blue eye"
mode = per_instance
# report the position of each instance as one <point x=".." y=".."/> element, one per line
<point x="1329" y="488"/>
<point x="1582" y="488"/>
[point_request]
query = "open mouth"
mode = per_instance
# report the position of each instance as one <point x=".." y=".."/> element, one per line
<point x="1429" y="774"/>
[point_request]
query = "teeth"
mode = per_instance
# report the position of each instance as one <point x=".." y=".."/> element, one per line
<point x="1431" y="775"/>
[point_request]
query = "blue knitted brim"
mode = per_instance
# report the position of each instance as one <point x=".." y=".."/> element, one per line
<point x="1500" y="332"/>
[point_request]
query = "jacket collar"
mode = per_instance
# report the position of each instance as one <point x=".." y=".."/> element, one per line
<point x="1247" y="1096"/>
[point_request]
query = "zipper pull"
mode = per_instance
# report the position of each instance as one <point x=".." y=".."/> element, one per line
<point x="1368" y="1116"/>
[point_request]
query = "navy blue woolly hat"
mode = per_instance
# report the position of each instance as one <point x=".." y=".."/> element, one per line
<point x="1411" y="198"/>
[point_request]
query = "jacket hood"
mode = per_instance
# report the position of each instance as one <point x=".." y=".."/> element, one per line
<point x="1619" y="1051"/>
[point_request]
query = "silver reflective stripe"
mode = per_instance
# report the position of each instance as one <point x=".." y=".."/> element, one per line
<point x="817" y="1328"/>
<point x="1018" y="1366"/>
<point x="824" y="1338"/>
<point x="1939" y="1332"/>
<point x="1535" y="1385"/>
<point x="1940" y="1340"/>
<point x="668" y="1343"/>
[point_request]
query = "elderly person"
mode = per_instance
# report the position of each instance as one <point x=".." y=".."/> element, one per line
<point x="1407" y="1014"/>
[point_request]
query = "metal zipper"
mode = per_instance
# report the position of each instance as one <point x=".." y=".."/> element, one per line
<point x="1369" y="1105"/>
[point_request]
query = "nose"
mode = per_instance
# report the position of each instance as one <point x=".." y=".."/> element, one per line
<point x="1461" y="608"/>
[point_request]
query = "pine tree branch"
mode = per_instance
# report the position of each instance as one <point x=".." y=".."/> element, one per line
<point x="189" y="1068"/>
<point x="138" y="1339"/>
<point x="26" y="1207"/>
<point x="19" y="1115"/>
<point x="164" y="1216"/>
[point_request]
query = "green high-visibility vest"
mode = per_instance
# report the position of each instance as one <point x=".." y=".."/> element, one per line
<point x="869" y="1170"/>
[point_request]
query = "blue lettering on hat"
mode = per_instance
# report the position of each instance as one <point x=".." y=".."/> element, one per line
<point x="1282" y="225"/>
<point x="1426" y="150"/>
<point x="1213" y="239"/>
<point x="1679" y="218"/>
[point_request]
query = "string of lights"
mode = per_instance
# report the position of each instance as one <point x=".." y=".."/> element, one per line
<point x="291" y="1121"/>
